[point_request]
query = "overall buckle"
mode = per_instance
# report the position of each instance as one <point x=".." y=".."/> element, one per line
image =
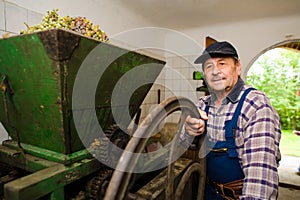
<point x="229" y="191"/>
<point x="219" y="150"/>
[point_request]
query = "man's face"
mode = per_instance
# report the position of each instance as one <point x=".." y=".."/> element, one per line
<point x="221" y="74"/>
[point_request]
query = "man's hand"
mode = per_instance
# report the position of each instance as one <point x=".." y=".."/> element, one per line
<point x="195" y="127"/>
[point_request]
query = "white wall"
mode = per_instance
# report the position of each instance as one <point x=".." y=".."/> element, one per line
<point x="251" y="37"/>
<point x="12" y="18"/>
<point x="110" y="15"/>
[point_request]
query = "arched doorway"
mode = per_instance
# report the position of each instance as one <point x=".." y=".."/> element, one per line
<point x="293" y="44"/>
<point x="290" y="142"/>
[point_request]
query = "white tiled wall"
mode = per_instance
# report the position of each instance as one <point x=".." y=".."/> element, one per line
<point x="12" y="18"/>
<point x="180" y="78"/>
<point x="175" y="80"/>
<point x="2" y="16"/>
<point x="34" y="17"/>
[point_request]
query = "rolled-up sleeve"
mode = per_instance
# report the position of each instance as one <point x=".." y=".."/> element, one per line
<point x="185" y="140"/>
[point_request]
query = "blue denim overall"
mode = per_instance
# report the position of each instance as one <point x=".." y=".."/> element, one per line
<point x="222" y="162"/>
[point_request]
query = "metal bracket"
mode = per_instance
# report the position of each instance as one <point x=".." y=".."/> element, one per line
<point x="5" y="85"/>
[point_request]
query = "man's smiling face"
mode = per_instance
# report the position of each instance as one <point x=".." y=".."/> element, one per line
<point x="221" y="74"/>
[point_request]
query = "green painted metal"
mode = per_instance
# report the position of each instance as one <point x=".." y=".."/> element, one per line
<point x="51" y="180"/>
<point x="22" y="160"/>
<point x="57" y="194"/>
<point x="37" y="74"/>
<point x="47" y="154"/>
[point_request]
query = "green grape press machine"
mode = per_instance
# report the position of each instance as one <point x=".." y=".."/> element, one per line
<point x="44" y="156"/>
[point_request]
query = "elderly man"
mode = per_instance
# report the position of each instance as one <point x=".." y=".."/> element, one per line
<point x="241" y="128"/>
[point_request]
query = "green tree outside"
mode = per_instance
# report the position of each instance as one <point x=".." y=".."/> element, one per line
<point x="277" y="73"/>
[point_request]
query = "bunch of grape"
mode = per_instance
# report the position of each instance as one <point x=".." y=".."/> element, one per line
<point x="78" y="24"/>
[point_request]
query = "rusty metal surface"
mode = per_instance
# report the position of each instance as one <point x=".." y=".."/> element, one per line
<point x="194" y="168"/>
<point x="155" y="189"/>
<point x="59" y="44"/>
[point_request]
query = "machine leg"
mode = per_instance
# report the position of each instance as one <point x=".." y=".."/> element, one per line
<point x="58" y="194"/>
<point x="51" y="180"/>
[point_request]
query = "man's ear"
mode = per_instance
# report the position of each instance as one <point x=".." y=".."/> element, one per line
<point x="239" y="67"/>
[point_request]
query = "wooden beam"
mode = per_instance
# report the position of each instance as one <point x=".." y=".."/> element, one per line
<point x="209" y="41"/>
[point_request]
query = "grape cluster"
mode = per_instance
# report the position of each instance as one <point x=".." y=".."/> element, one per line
<point x="78" y="24"/>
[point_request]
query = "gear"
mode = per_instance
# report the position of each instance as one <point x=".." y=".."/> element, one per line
<point x="106" y="152"/>
<point x="117" y="136"/>
<point x="96" y="187"/>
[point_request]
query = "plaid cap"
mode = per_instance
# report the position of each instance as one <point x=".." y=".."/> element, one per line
<point x="217" y="49"/>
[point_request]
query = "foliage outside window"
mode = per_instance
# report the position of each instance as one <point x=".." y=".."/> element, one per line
<point x="277" y="73"/>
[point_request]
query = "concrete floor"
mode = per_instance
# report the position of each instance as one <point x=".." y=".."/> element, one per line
<point x="288" y="194"/>
<point x="289" y="180"/>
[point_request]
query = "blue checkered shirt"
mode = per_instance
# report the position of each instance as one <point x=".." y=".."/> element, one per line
<point x="257" y="138"/>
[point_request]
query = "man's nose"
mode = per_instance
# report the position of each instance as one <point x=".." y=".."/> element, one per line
<point x="215" y="69"/>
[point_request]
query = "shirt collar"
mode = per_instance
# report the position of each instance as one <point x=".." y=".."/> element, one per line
<point x="232" y="96"/>
<point x="235" y="92"/>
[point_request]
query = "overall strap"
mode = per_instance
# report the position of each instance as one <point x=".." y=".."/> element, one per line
<point x="205" y="121"/>
<point x="239" y="108"/>
<point x="231" y="126"/>
<point x="206" y="109"/>
<point x="235" y="115"/>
